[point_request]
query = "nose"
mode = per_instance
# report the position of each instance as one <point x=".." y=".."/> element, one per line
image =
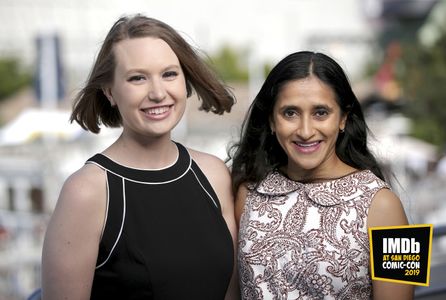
<point x="305" y="128"/>
<point x="157" y="92"/>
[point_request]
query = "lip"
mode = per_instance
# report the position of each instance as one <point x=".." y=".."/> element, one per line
<point x="307" y="147"/>
<point x="157" y="112"/>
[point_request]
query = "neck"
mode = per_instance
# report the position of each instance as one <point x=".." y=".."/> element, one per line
<point x="148" y="153"/>
<point x="337" y="170"/>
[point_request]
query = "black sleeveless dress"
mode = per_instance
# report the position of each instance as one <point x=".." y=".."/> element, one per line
<point x="164" y="236"/>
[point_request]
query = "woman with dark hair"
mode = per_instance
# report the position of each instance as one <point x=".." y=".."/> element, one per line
<point x="307" y="188"/>
<point x="147" y="218"/>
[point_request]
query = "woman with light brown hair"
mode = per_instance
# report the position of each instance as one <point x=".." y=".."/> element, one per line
<point x="147" y="218"/>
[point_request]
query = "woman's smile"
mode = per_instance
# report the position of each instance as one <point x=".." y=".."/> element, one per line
<point x="158" y="112"/>
<point x="307" y="147"/>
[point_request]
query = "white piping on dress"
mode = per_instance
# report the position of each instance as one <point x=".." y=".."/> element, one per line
<point x="122" y="224"/>
<point x="215" y="203"/>
<point x="144" y="182"/>
<point x="106" y="206"/>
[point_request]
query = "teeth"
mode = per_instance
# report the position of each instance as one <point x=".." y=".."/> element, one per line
<point x="157" y="110"/>
<point x="307" y="145"/>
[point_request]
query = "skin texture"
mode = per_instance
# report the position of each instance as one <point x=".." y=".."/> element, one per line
<point x="306" y="120"/>
<point x="151" y="97"/>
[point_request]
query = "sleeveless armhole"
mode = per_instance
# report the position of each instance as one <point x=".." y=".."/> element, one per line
<point x="206" y="186"/>
<point x="115" y="213"/>
<point x="381" y="185"/>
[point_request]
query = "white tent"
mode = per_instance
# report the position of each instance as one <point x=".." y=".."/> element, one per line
<point x="34" y="123"/>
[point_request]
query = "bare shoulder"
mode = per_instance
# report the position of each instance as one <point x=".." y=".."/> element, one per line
<point x="218" y="176"/>
<point x="81" y="206"/>
<point x="386" y="210"/>
<point x="210" y="164"/>
<point x="83" y="197"/>
<point x="72" y="237"/>
<point x="242" y="191"/>
<point x="84" y="184"/>
<point x="240" y="200"/>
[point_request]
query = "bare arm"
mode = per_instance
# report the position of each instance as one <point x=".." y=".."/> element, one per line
<point x="218" y="175"/>
<point x="240" y="200"/>
<point x="71" y="242"/>
<point x="386" y="210"/>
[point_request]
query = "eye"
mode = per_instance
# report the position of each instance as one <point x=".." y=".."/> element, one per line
<point x="170" y="74"/>
<point x="321" y="112"/>
<point x="136" y="78"/>
<point x="289" y="113"/>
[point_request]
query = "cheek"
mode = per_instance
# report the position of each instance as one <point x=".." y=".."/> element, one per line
<point x="283" y="133"/>
<point x="279" y="124"/>
<point x="330" y="129"/>
<point x="180" y="88"/>
<point x="123" y="93"/>
<point x="331" y="126"/>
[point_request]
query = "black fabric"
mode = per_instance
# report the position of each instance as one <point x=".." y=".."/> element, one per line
<point x="115" y="215"/>
<point x="174" y="242"/>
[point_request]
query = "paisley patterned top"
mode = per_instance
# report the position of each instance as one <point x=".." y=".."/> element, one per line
<point x="307" y="241"/>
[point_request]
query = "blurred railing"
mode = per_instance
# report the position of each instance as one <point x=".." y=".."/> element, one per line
<point x="21" y="238"/>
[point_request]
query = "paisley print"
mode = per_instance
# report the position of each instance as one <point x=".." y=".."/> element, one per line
<point x="307" y="240"/>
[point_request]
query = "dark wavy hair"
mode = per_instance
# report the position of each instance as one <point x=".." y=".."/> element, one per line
<point x="258" y="152"/>
<point x="91" y="107"/>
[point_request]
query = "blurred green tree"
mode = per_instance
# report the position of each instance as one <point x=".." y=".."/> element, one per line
<point x="12" y="77"/>
<point x="424" y="84"/>
<point x="228" y="63"/>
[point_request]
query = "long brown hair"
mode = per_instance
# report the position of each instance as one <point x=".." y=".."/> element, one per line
<point x="91" y="107"/>
<point x="258" y="152"/>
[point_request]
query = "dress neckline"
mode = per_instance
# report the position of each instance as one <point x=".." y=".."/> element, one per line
<point x="319" y="180"/>
<point x="325" y="193"/>
<point x="150" y="176"/>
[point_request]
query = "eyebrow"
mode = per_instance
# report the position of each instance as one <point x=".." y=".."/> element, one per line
<point x="317" y="106"/>
<point x="142" y="70"/>
<point x="284" y="107"/>
<point x="323" y="106"/>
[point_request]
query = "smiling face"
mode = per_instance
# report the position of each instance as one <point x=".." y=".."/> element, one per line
<point x="149" y="87"/>
<point x="306" y="120"/>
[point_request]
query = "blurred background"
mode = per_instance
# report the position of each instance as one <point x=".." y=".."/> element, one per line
<point x="394" y="52"/>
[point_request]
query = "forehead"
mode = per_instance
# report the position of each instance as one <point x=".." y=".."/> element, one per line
<point x="143" y="52"/>
<point x="306" y="91"/>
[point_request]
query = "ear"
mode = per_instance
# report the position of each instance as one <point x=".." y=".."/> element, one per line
<point x="107" y="92"/>
<point x="271" y="125"/>
<point x="343" y="122"/>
